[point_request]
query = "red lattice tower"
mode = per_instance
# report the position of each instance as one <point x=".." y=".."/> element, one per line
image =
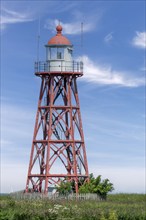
<point x="58" y="148"/>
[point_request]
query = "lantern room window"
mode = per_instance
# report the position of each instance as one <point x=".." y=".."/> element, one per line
<point x="60" y="53"/>
<point x="56" y="53"/>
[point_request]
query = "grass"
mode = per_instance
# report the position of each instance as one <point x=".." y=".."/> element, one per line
<point x="117" y="207"/>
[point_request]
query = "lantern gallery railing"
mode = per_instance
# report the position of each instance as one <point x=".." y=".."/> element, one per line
<point x="59" y="65"/>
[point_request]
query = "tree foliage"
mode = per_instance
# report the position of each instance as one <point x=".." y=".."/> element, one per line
<point x="97" y="185"/>
<point x="64" y="188"/>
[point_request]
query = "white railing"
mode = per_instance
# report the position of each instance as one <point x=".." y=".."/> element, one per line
<point x="58" y="65"/>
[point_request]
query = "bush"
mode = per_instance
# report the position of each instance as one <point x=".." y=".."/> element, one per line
<point x="96" y="185"/>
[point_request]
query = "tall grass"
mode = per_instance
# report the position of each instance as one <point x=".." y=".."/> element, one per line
<point x="117" y="207"/>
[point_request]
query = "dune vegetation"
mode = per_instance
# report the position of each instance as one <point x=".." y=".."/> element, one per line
<point x="116" y="207"/>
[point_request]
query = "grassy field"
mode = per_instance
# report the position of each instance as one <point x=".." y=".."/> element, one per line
<point x="117" y="207"/>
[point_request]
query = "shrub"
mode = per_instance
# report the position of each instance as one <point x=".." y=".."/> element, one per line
<point x="96" y="185"/>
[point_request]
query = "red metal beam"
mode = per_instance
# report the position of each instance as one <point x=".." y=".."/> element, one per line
<point x="58" y="134"/>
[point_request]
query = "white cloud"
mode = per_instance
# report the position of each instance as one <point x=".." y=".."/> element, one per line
<point x="11" y="17"/>
<point x="70" y="28"/>
<point x="108" y="37"/>
<point x="105" y="75"/>
<point x="139" y="40"/>
<point x="75" y="26"/>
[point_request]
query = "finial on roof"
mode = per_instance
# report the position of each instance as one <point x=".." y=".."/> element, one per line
<point x="59" y="29"/>
<point x="59" y="39"/>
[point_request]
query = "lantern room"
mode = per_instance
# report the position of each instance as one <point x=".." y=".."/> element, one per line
<point x="59" y="57"/>
<point x="59" y="52"/>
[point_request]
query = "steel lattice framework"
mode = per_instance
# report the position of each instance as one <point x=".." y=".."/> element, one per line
<point x="58" y="141"/>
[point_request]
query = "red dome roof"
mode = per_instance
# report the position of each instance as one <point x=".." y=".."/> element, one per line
<point x="59" y="39"/>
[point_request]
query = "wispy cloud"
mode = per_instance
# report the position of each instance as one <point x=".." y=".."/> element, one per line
<point x="70" y="28"/>
<point x="108" y="38"/>
<point x="74" y="27"/>
<point x="11" y="17"/>
<point x="105" y="75"/>
<point x="115" y="128"/>
<point x="139" y="39"/>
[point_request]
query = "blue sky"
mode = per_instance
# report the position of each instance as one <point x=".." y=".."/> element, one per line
<point x="112" y="90"/>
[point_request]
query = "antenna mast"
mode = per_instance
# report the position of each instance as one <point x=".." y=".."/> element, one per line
<point x="38" y="40"/>
<point x="82" y="41"/>
<point x="82" y="35"/>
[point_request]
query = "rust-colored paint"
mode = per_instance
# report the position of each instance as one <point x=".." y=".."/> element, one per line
<point x="58" y="132"/>
<point x="59" y="39"/>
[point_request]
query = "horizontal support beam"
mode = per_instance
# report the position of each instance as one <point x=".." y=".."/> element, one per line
<point x="58" y="107"/>
<point x="56" y="175"/>
<point x="57" y="141"/>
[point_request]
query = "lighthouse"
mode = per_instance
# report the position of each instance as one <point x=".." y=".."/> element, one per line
<point x="58" y="150"/>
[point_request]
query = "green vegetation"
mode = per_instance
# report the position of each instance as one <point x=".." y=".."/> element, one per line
<point x="116" y="207"/>
<point x="98" y="186"/>
<point x="64" y="188"/>
<point x="95" y="185"/>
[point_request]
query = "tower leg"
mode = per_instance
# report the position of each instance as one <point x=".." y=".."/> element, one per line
<point x="58" y="139"/>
